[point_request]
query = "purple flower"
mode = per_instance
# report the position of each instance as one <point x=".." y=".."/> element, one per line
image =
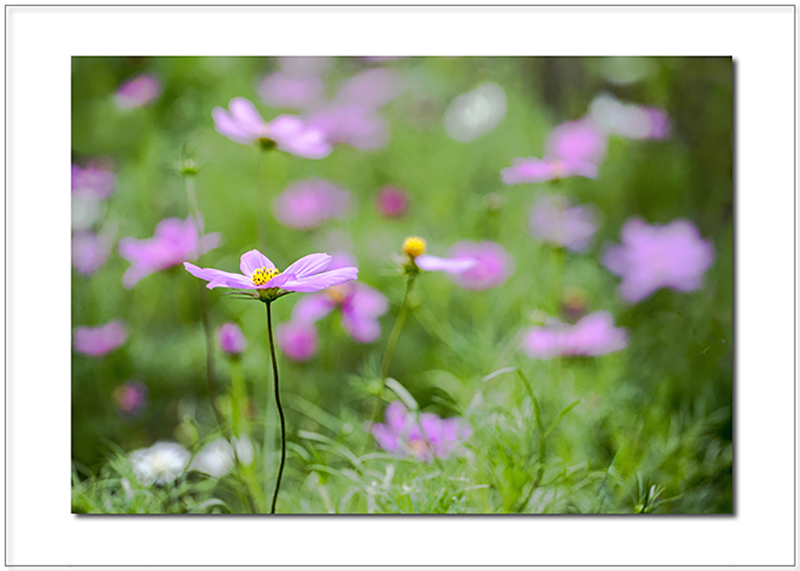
<point x="415" y="247"/>
<point x="592" y="336"/>
<point x="572" y="149"/>
<point x="90" y="251"/>
<point x="258" y="273"/>
<point x="493" y="264"/>
<point x="354" y="125"/>
<point x="553" y="219"/>
<point x="298" y="340"/>
<point x="282" y="89"/>
<point x="130" y="398"/>
<point x="230" y="339"/>
<point x="360" y="304"/>
<point x="371" y="89"/>
<point x="175" y="241"/>
<point x="426" y="438"/>
<point x="392" y="202"/>
<point x="93" y="181"/>
<point x="243" y="124"/>
<point x="97" y="341"/>
<point x="309" y="202"/>
<point x="614" y="117"/>
<point x="653" y="257"/>
<point x="138" y="92"/>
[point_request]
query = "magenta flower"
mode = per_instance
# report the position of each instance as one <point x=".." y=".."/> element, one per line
<point x="354" y="125"/>
<point x="426" y="438"/>
<point x="93" y="181"/>
<point x="371" y="89"/>
<point x="138" y="92"/>
<point x="392" y="202"/>
<point x="230" y="339"/>
<point x="553" y="219"/>
<point x="282" y="89"/>
<point x="309" y="202"/>
<point x="572" y="149"/>
<point x="492" y="268"/>
<point x="654" y="257"/>
<point x="90" y="251"/>
<point x="243" y="124"/>
<point x="592" y="336"/>
<point x="175" y="241"/>
<point x="298" y="340"/>
<point x="97" y="341"/>
<point x="130" y="398"/>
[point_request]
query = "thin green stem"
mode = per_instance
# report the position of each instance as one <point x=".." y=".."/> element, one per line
<point x="278" y="403"/>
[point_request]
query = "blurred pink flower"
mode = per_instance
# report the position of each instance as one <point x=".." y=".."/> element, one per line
<point x="138" y="92"/>
<point x="90" y="251"/>
<point x="392" y="202"/>
<point x="282" y="89"/>
<point x="493" y="264"/>
<point x="230" y="339"/>
<point x="298" y="340"/>
<point x="175" y="241"/>
<point x="243" y="124"/>
<point x="592" y="336"/>
<point x="130" y="398"/>
<point x="627" y="120"/>
<point x="415" y="247"/>
<point x="93" y="181"/>
<point x="97" y="341"/>
<point x="354" y="125"/>
<point x="309" y="202"/>
<point x="654" y="257"/>
<point x="554" y="220"/>
<point x="371" y="89"/>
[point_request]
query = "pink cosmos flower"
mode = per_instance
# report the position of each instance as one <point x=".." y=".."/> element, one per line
<point x="592" y="336"/>
<point x="230" y="339"/>
<point x="553" y="219"/>
<point x="97" y="341"/>
<point x="309" y="202"/>
<point x="93" y="181"/>
<point x="653" y="257"/>
<point x="350" y="124"/>
<point x="244" y="124"/>
<point x="392" y="202"/>
<point x="372" y="89"/>
<point x="90" y="251"/>
<point x="415" y="247"/>
<point x="572" y="149"/>
<point x="298" y="340"/>
<point x="426" y="438"/>
<point x="138" y="92"/>
<point x="493" y="264"/>
<point x="130" y="398"/>
<point x="282" y="89"/>
<point x="360" y="304"/>
<point x="175" y="241"/>
<point x="258" y="273"/>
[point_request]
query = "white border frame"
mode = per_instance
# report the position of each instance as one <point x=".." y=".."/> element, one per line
<point x="41" y="531"/>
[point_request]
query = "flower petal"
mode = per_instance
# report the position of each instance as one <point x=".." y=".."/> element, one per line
<point x="217" y="278"/>
<point x="245" y="114"/>
<point x="309" y="265"/>
<point x="312" y="308"/>
<point x="253" y="260"/>
<point x="450" y="265"/>
<point x="225" y="125"/>
<point x="322" y="281"/>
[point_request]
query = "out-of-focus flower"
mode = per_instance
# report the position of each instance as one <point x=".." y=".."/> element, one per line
<point x="415" y="247"/>
<point x="93" y="181"/>
<point x="392" y="202"/>
<point x="282" y="89"/>
<point x="428" y="437"/>
<point x="130" y="398"/>
<point x="653" y="257"/>
<point x="476" y="113"/>
<point x="90" y="251"/>
<point x="493" y="264"/>
<point x="175" y="241"/>
<point x="309" y="202"/>
<point x="217" y="458"/>
<point x="371" y="89"/>
<point x="86" y="211"/>
<point x="298" y="340"/>
<point x="162" y="463"/>
<point x="244" y="124"/>
<point x="138" y="92"/>
<point x="627" y="120"/>
<point x="554" y="220"/>
<point x="572" y="149"/>
<point x="361" y="306"/>
<point x="574" y="304"/>
<point x="592" y="336"/>
<point x="258" y="273"/>
<point x="354" y="125"/>
<point x="230" y="339"/>
<point x="97" y="341"/>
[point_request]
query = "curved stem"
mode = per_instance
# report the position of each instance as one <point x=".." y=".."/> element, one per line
<point x="280" y="408"/>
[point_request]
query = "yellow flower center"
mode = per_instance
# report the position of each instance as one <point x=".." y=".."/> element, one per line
<point x="263" y="275"/>
<point x="414" y="246"/>
<point x="419" y="447"/>
<point x="337" y="293"/>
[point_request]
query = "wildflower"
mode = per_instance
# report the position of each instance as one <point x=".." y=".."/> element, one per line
<point x="654" y="257"/>
<point x="282" y="89"/>
<point x="392" y="202"/>
<point x="592" y="336"/>
<point x="371" y="89"/>
<point x="90" y="251"/>
<point x="230" y="339"/>
<point x="476" y="113"/>
<point x="93" y="181"/>
<point x="309" y="202"/>
<point x="426" y="438"/>
<point x="614" y="117"/>
<point x="175" y="241"/>
<point x="415" y="247"/>
<point x="162" y="463"/>
<point x="97" y="341"/>
<point x="297" y="339"/>
<point x="138" y="92"/>
<point x="355" y="125"/>
<point x="130" y="398"/>
<point x="243" y="124"/>
<point x="553" y="219"/>
<point x="217" y="458"/>
<point x="492" y="268"/>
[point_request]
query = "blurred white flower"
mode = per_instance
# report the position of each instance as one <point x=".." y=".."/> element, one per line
<point x="217" y="458"/>
<point x="614" y="117"/>
<point x="86" y="210"/>
<point x="162" y="463"/>
<point x="475" y="113"/>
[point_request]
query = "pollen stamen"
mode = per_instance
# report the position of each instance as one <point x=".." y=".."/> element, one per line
<point x="263" y="275"/>
<point x="414" y="246"/>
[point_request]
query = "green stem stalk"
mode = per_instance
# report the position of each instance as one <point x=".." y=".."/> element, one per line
<point x="278" y="403"/>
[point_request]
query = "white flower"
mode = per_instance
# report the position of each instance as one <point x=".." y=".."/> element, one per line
<point x="217" y="458"/>
<point x="162" y="463"/>
<point x="474" y="114"/>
